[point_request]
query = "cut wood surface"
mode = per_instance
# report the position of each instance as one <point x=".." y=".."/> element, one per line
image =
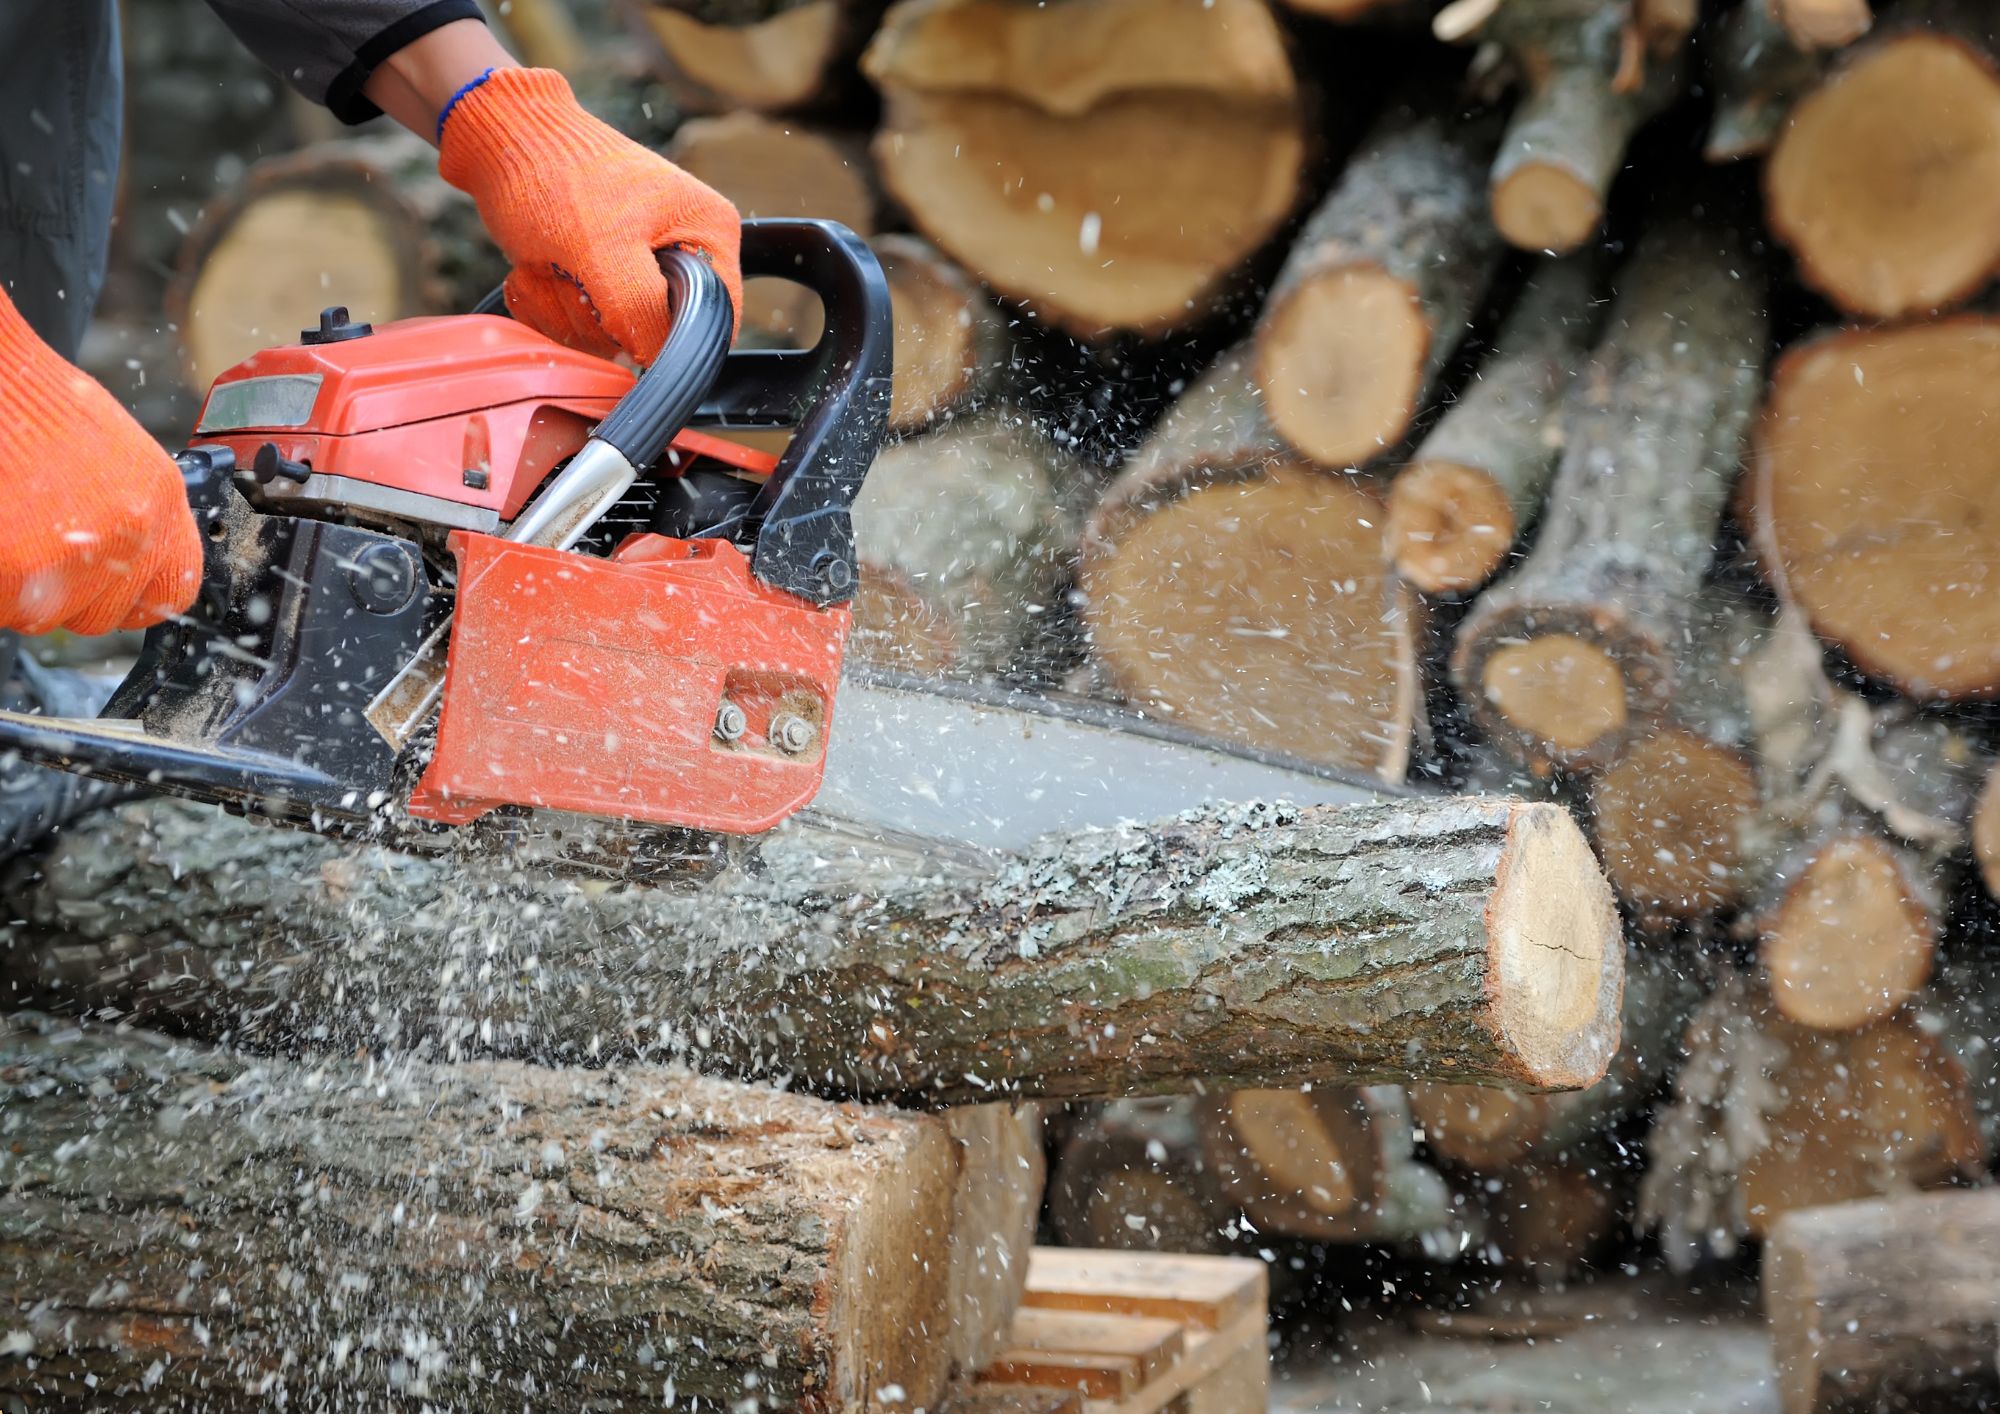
<point x="1673" y="816"/>
<point x="1326" y="1164"/>
<point x="1251" y="946"/>
<point x="996" y="1206"/>
<point x="774" y="167"/>
<point x="1478" y="479"/>
<point x="964" y="535"/>
<point x="1770" y="1117"/>
<point x="1588" y="87"/>
<point x="364" y="222"/>
<point x="1758" y="72"/>
<point x="180" y="1223"/>
<point x="1377" y="291"/>
<point x="1822" y="24"/>
<point x="1886" y="180"/>
<point x="1234" y="589"/>
<point x="1887" y="1304"/>
<point x="1986" y="833"/>
<point x="1488" y="1130"/>
<point x="1850" y="913"/>
<point x="1898" y="571"/>
<point x="1131" y="1177"/>
<point x="1570" y="655"/>
<point x="1109" y="164"/>
<point x="951" y="346"/>
<point x="765" y="55"/>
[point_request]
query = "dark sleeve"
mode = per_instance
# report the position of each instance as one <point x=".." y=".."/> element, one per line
<point x="326" y="49"/>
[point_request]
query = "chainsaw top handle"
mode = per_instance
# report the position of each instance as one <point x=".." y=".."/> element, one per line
<point x="834" y="396"/>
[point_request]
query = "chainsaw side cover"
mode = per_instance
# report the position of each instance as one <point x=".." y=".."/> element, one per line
<point x="595" y="686"/>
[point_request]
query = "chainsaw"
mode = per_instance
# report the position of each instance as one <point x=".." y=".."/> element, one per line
<point x="466" y="588"/>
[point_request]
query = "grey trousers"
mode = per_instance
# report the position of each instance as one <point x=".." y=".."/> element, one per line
<point x="61" y="94"/>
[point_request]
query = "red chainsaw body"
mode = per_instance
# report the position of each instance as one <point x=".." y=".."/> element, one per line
<point x="471" y="409"/>
<point x="574" y="682"/>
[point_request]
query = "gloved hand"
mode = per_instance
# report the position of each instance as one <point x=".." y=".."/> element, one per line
<point x="96" y="534"/>
<point x="579" y="209"/>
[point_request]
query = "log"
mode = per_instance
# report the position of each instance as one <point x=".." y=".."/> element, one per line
<point x="1587" y="90"/>
<point x="1986" y="833"/>
<point x="965" y="535"/>
<point x="1548" y="1218"/>
<point x="764" y="55"/>
<point x="187" y="1227"/>
<point x="1672" y="816"/>
<point x="1326" y="1165"/>
<point x="1770" y="1117"/>
<point x="1849" y="916"/>
<point x="1131" y="1177"/>
<point x="772" y="168"/>
<point x="1885" y="183"/>
<point x="365" y="222"/>
<point x="1893" y="572"/>
<point x="1822" y="24"/>
<point x="1232" y="588"/>
<point x="996" y="1206"/>
<point x="1377" y="291"/>
<point x="1490" y="1131"/>
<point x="1450" y="939"/>
<point x="952" y="348"/>
<point x="1477" y="480"/>
<point x="1109" y="165"/>
<point x="1757" y="72"/>
<point x="1888" y="1304"/>
<point x="1564" y="660"/>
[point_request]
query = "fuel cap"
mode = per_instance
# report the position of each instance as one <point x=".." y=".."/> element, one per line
<point x="335" y="327"/>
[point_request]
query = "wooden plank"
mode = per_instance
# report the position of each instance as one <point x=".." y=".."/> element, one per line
<point x="1212" y="1292"/>
<point x="1207" y="1358"/>
<point x="1151" y="1342"/>
<point x="1011" y="1399"/>
<point x="1092" y="1373"/>
<point x="1240" y="1385"/>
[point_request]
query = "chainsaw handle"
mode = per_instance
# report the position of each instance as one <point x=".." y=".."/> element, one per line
<point x="668" y="393"/>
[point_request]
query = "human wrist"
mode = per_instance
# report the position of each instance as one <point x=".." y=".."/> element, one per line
<point x="417" y="83"/>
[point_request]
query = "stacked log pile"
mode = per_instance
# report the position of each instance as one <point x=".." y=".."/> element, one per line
<point x="1600" y="414"/>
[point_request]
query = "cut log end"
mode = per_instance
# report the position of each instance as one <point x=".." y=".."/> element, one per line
<point x="1886" y="180"/>
<point x="775" y="63"/>
<point x="1559" y="690"/>
<point x="1849" y="942"/>
<point x="1667" y="816"/>
<point x="1557" y="953"/>
<point x="1900" y="571"/>
<point x="1986" y="833"/>
<point x="1342" y="361"/>
<point x="1476" y="1126"/>
<point x="1450" y="526"/>
<point x="1541" y="206"/>
<point x="942" y="351"/>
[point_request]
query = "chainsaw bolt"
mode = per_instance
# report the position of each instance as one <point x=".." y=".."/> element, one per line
<point x="791" y="733"/>
<point x="730" y="723"/>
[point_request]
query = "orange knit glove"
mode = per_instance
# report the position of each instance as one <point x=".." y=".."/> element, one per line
<point x="579" y="209"/>
<point x="96" y="534"/>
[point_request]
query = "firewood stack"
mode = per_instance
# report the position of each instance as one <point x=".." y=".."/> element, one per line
<point x="1598" y="412"/>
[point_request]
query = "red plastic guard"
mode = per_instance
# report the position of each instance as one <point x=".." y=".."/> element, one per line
<point x="593" y="685"/>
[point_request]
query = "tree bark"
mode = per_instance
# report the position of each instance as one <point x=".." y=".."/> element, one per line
<point x="952" y="345"/>
<point x="1232" y="588"/>
<point x="1109" y="165"/>
<point x="1889" y="1304"/>
<point x="1891" y="571"/>
<point x="1377" y="291"/>
<point x="1563" y="661"/>
<point x="366" y="222"/>
<point x="1466" y="940"/>
<point x="1883" y="183"/>
<point x="965" y="535"/>
<point x="1758" y="72"/>
<point x="1478" y="479"/>
<point x="1588" y="89"/>
<point x="1490" y="1131"/>
<point x="184" y="1225"/>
